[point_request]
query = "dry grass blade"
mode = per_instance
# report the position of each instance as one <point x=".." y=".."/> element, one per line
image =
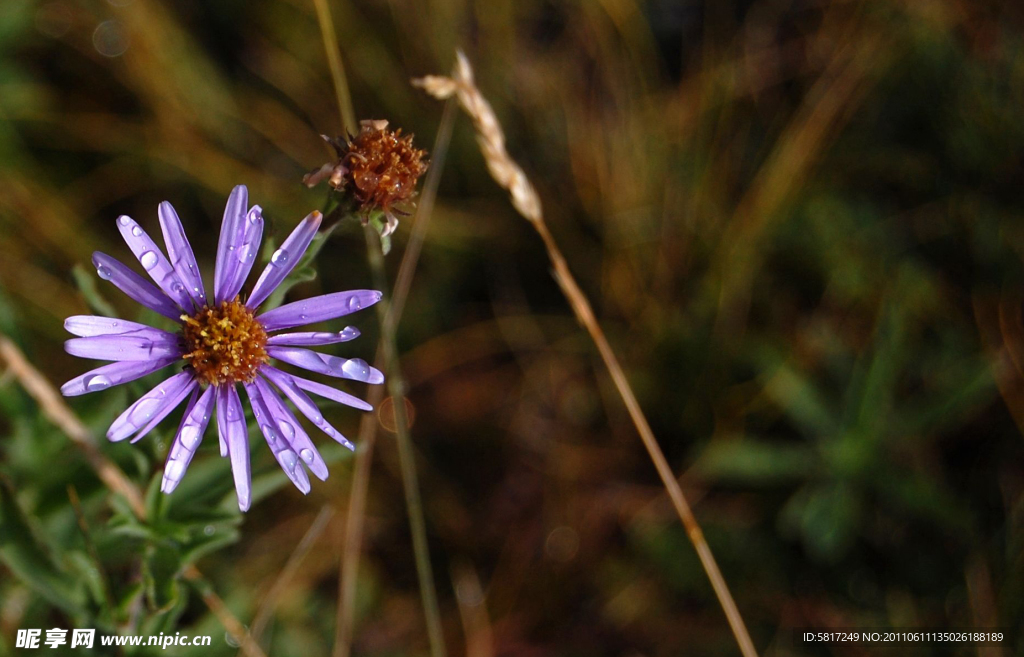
<point x="58" y="412"/>
<point x="269" y="602"/>
<point x="509" y="175"/>
<point x="348" y="115"/>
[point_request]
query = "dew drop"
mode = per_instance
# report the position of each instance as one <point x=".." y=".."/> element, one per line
<point x="280" y="258"/>
<point x="354" y="303"/>
<point x="288" y="459"/>
<point x="232" y="412"/>
<point x="97" y="382"/>
<point x="137" y="231"/>
<point x="104" y="272"/>
<point x="356" y="369"/>
<point x="287" y="429"/>
<point x="148" y="260"/>
<point x="145" y="410"/>
<point x="307" y="455"/>
<point x="124" y="221"/>
<point x="245" y="253"/>
<point x="348" y="333"/>
<point x="208" y="530"/>
<point x="174" y="469"/>
<point x="190" y="436"/>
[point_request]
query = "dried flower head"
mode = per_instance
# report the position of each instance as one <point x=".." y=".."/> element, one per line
<point x="378" y="167"/>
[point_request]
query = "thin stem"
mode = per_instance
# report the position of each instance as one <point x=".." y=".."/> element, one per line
<point x="406" y="457"/>
<point x="507" y="173"/>
<point x="354" y="522"/>
<point x="348" y="115"/>
<point x="269" y="602"/>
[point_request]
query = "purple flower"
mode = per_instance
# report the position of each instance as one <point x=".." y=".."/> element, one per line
<point x="220" y="344"/>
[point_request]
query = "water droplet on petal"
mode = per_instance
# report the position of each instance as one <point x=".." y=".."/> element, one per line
<point x="307" y="455"/>
<point x="232" y="412"/>
<point x="356" y="369"/>
<point x="174" y="469"/>
<point x="137" y="231"/>
<point x="349" y="333"/>
<point x="287" y="429"/>
<point x="288" y="459"/>
<point x="190" y="436"/>
<point x="124" y="221"/>
<point x="280" y="258"/>
<point x="97" y="382"/>
<point x="104" y="272"/>
<point x="245" y="253"/>
<point x="354" y="303"/>
<point x="145" y="410"/>
<point x="148" y="260"/>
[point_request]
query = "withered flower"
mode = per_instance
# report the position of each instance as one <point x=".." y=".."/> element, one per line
<point x="378" y="167"/>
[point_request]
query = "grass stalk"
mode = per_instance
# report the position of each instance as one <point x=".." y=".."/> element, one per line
<point x="524" y="197"/>
<point x="348" y="115"/>
<point x="406" y="455"/>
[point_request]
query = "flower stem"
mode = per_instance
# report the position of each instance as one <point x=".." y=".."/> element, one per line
<point x="406" y="457"/>
<point x="348" y="115"/>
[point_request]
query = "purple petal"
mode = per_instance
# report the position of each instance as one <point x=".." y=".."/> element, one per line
<point x="319" y="389"/>
<point x="285" y="259"/>
<point x="171" y="405"/>
<point x="282" y="451"/>
<point x="291" y="430"/>
<point x="113" y="374"/>
<point x="318" y="309"/>
<point x="232" y="234"/>
<point x="89" y="325"/>
<point x="135" y="286"/>
<point x="154" y="262"/>
<point x="155" y="404"/>
<point x="180" y="251"/>
<point x="246" y="253"/>
<point x="355" y="369"/>
<point x="231" y="424"/>
<point x="313" y="339"/>
<point x="138" y="345"/>
<point x="190" y="433"/>
<point x="305" y="405"/>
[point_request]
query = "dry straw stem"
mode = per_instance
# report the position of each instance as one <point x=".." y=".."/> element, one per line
<point x="58" y="412"/>
<point x="509" y="175"/>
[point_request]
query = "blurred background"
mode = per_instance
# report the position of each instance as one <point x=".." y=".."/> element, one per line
<point x="801" y="224"/>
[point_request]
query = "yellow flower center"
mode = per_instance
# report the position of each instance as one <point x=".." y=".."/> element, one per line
<point x="224" y="344"/>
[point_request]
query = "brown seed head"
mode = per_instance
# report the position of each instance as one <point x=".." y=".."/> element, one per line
<point x="224" y="344"/>
<point x="380" y="166"/>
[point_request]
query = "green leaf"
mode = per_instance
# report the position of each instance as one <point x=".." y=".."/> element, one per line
<point x="757" y="461"/>
<point x="23" y="552"/>
<point x="161" y="568"/>
<point x="825" y="518"/>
